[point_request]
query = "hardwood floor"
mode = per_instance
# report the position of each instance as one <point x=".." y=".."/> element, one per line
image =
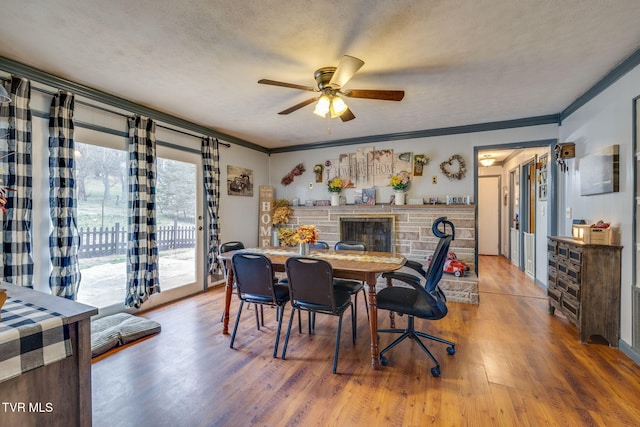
<point x="515" y="365"/>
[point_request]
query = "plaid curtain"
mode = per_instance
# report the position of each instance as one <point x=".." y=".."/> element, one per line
<point x="211" y="172"/>
<point x="142" y="249"/>
<point x="15" y="161"/>
<point x="64" y="240"/>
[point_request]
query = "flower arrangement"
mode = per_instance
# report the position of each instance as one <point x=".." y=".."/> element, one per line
<point x="421" y="159"/>
<point x="307" y="234"/>
<point x="281" y="212"/>
<point x="287" y="237"/>
<point x="335" y="185"/>
<point x="304" y="233"/>
<point x="296" y="171"/>
<point x="399" y="181"/>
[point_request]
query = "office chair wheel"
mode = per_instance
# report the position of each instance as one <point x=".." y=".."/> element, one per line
<point x="384" y="361"/>
<point x="435" y="371"/>
<point x="451" y="350"/>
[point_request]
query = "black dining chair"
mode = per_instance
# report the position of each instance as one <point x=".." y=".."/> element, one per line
<point x="312" y="290"/>
<point x="254" y="280"/>
<point x="319" y="245"/>
<point x="423" y="299"/>
<point x="236" y="246"/>
<point x="352" y="287"/>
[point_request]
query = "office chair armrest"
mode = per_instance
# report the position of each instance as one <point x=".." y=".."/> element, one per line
<point x="409" y="279"/>
<point x="415" y="265"/>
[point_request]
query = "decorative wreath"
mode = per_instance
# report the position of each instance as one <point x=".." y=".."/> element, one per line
<point x="446" y="167"/>
<point x="297" y="171"/>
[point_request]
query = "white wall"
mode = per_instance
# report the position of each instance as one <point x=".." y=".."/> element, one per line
<point x="604" y="121"/>
<point x="438" y="149"/>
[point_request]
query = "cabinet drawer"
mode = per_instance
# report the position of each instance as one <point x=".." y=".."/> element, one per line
<point x="552" y="272"/>
<point x="563" y="251"/>
<point x="574" y="272"/>
<point x="563" y="282"/>
<point x="570" y="307"/>
<point x="554" y="294"/>
<point x="575" y="255"/>
<point x="563" y="267"/>
<point x="552" y="246"/>
<point x="573" y="290"/>
<point x="553" y="260"/>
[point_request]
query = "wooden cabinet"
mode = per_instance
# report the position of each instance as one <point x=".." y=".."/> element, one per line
<point x="584" y="285"/>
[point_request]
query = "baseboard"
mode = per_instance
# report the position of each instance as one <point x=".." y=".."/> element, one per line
<point x="629" y="351"/>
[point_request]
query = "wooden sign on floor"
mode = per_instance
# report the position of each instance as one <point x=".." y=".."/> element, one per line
<point x="265" y="222"/>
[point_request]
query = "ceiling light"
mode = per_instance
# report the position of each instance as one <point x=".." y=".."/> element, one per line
<point x="337" y="107"/>
<point x="4" y="96"/>
<point x="487" y="160"/>
<point x="322" y="106"/>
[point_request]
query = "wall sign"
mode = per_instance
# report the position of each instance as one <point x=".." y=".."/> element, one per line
<point x="265" y="222"/>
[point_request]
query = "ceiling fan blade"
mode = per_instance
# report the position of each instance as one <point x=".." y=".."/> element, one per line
<point x="385" y="95"/>
<point x="347" y="67"/>
<point x="298" y="106"/>
<point x="347" y="115"/>
<point x="289" y="85"/>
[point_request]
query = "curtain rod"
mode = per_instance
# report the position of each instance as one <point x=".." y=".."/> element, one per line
<point x="118" y="113"/>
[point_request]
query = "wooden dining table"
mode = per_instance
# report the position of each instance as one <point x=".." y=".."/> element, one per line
<point x="356" y="265"/>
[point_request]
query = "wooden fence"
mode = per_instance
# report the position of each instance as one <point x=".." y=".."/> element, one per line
<point x="105" y="241"/>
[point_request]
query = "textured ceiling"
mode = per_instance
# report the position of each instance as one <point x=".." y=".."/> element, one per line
<point x="460" y="62"/>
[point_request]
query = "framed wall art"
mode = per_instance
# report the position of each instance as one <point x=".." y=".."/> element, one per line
<point x="599" y="171"/>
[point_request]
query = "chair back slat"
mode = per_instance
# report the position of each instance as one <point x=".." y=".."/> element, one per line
<point x="253" y="274"/>
<point x="311" y="281"/>
<point x="346" y="245"/>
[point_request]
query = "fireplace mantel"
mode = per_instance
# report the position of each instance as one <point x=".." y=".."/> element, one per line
<point x="413" y="236"/>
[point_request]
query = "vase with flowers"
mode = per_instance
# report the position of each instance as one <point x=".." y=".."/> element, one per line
<point x="279" y="216"/>
<point x="399" y="182"/>
<point x="306" y="235"/>
<point x="335" y="186"/>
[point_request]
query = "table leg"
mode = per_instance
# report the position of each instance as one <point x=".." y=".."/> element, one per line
<point x="392" y="318"/>
<point x="227" y="298"/>
<point x="373" y="321"/>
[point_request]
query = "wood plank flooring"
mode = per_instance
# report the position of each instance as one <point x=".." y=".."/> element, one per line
<point x="515" y="365"/>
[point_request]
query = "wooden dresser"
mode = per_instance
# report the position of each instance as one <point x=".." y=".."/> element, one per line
<point x="584" y="284"/>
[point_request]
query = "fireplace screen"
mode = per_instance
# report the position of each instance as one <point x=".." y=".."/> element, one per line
<point x="376" y="231"/>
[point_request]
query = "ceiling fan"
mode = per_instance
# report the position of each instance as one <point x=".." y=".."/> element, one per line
<point x="330" y="81"/>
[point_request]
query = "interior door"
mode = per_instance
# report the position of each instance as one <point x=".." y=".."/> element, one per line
<point x="489" y="215"/>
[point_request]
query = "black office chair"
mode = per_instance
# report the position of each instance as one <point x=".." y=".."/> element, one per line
<point x="312" y="290"/>
<point x="254" y="280"/>
<point x="352" y="287"/>
<point x="424" y="300"/>
<point x="319" y="245"/>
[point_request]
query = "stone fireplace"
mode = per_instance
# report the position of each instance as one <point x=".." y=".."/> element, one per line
<point x="409" y="229"/>
<point x="376" y="231"/>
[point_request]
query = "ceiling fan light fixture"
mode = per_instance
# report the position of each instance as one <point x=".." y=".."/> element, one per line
<point x="322" y="106"/>
<point x="487" y="160"/>
<point x="337" y="107"/>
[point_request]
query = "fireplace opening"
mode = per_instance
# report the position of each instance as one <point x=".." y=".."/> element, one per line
<point x="377" y="231"/>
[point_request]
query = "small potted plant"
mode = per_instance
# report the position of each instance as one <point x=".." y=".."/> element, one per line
<point x="335" y="186"/>
<point x="399" y="182"/>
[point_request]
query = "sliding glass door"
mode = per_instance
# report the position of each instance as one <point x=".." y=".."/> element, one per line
<point x="102" y="221"/>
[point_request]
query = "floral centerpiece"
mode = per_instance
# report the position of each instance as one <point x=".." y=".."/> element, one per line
<point x="335" y="185"/>
<point x="307" y="234"/>
<point x="303" y="234"/>
<point x="399" y="181"/>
